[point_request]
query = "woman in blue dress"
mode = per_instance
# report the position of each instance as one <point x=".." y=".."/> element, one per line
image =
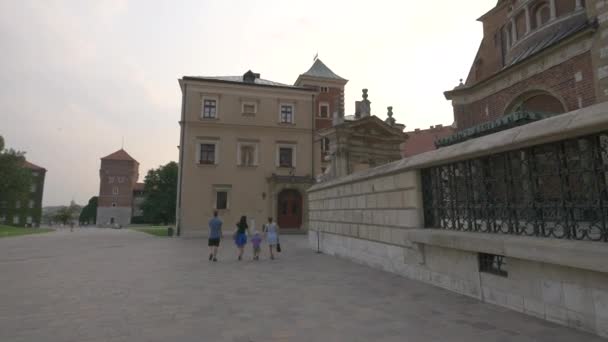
<point x="240" y="236"/>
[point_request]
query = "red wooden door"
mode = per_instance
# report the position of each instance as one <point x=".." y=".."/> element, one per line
<point x="290" y="209"/>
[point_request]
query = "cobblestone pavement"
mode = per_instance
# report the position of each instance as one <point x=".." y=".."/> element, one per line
<point x="109" y="285"/>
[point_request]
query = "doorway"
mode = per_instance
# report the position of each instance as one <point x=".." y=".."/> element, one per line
<point x="289" y="209"/>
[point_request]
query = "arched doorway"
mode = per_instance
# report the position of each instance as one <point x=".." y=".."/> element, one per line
<point x="289" y="209"/>
<point x="536" y="101"/>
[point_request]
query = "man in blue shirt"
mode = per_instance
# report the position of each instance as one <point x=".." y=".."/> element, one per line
<point x="215" y="234"/>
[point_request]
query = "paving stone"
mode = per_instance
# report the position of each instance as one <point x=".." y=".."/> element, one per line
<point x="98" y="285"/>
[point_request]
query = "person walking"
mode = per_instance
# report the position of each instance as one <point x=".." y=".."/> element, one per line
<point x="256" y="241"/>
<point x="240" y="236"/>
<point x="215" y="235"/>
<point x="272" y="236"/>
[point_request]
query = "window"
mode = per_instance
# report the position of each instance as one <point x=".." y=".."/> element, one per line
<point x="2" y="219"/>
<point x="28" y="220"/>
<point x="207" y="155"/>
<point x="324" y="110"/>
<point x="249" y="108"/>
<point x="15" y="219"/>
<point x="325" y="147"/>
<point x="121" y="179"/>
<point x="32" y="203"/>
<point x="287" y="114"/>
<point x="35" y="174"/>
<point x="2" y="204"/>
<point x="115" y="190"/>
<point x="495" y="264"/>
<point x="221" y="196"/>
<point x="33" y="188"/>
<point x="110" y="180"/>
<point x="285" y="157"/>
<point x="542" y="14"/>
<point x="209" y="108"/>
<point x="17" y="204"/>
<point x="221" y="199"/>
<point x="324" y="89"/>
<point x="247" y="154"/>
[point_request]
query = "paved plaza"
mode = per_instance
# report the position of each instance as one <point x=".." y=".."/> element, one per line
<point x="120" y="285"/>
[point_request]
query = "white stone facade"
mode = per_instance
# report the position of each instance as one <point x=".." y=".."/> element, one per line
<point x="375" y="218"/>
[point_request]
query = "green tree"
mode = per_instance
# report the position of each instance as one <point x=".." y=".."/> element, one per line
<point x="15" y="180"/>
<point x="66" y="215"/>
<point x="89" y="212"/>
<point x="160" y="192"/>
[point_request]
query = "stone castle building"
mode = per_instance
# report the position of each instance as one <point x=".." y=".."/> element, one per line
<point x="25" y="210"/>
<point x="119" y="193"/>
<point x="537" y="58"/>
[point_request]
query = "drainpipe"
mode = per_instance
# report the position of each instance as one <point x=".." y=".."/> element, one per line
<point x="181" y="162"/>
<point x="313" y="136"/>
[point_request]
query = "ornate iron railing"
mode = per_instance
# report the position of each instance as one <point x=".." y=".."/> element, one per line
<point x="557" y="190"/>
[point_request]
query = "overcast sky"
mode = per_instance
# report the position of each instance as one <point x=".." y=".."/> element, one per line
<point x="78" y="76"/>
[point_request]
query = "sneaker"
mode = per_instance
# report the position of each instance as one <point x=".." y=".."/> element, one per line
<point x="210" y="257"/>
<point x="214" y="259"/>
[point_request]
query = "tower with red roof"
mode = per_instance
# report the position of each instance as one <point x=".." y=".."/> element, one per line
<point x="117" y="181"/>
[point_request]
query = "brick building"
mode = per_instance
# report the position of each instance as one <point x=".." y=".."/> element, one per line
<point x="26" y="209"/>
<point x="119" y="192"/>
<point x="328" y="104"/>
<point x="423" y="140"/>
<point x="537" y="58"/>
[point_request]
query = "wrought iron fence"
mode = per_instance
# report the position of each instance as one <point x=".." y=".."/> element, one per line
<point x="557" y="190"/>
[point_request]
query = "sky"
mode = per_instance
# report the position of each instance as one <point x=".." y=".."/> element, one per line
<point x="79" y="77"/>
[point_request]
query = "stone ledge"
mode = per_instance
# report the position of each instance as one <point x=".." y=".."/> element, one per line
<point x="578" y="254"/>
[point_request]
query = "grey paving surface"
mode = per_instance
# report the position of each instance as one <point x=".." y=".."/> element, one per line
<point x="107" y="285"/>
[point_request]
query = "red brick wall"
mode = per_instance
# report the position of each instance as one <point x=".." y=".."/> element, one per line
<point x="117" y="168"/>
<point x="558" y="81"/>
<point x="332" y="97"/>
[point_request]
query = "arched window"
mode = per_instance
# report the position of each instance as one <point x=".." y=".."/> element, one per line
<point x="542" y="15"/>
<point x="538" y="101"/>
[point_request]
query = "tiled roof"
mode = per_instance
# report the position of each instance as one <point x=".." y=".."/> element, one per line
<point x="320" y="70"/>
<point x="424" y="140"/>
<point x="31" y="166"/>
<point x="119" y="155"/>
<point x="553" y="39"/>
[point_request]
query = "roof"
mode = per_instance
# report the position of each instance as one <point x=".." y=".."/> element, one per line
<point x="119" y="155"/>
<point x="421" y="141"/>
<point x="505" y="122"/>
<point x="239" y="80"/>
<point x="320" y="70"/>
<point x="138" y="187"/>
<point x="561" y="34"/>
<point x="31" y="166"/>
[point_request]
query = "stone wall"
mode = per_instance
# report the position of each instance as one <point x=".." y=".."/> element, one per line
<point x="375" y="218"/>
<point x="121" y="215"/>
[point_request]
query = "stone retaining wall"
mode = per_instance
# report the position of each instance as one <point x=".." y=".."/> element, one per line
<point x="375" y="217"/>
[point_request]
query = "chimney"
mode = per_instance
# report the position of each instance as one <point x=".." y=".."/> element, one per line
<point x="431" y="127"/>
<point x="417" y="130"/>
<point x="250" y="77"/>
<point x="439" y="126"/>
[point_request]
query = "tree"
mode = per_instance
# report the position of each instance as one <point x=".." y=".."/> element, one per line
<point x="89" y="212"/>
<point x="160" y="193"/>
<point x="15" y="180"/>
<point x="66" y="215"/>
